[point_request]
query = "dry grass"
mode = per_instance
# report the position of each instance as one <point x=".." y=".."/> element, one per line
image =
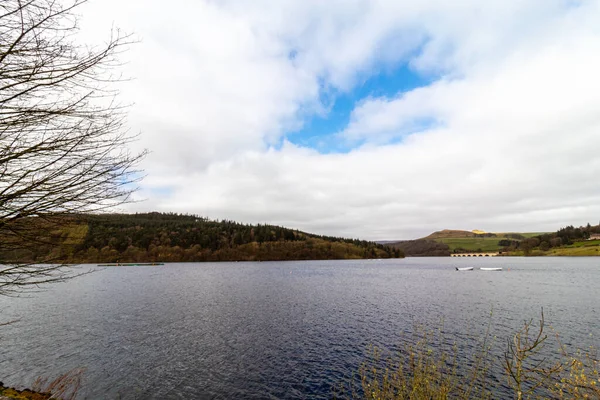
<point x="422" y="371"/>
<point x="64" y="387"/>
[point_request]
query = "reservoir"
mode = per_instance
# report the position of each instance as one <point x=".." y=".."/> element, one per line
<point x="289" y="330"/>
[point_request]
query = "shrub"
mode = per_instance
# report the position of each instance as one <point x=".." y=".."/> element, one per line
<point x="423" y="371"/>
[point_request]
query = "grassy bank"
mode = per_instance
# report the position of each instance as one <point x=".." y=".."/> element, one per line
<point x="574" y="251"/>
<point x="578" y="249"/>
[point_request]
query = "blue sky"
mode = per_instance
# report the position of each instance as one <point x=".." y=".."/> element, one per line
<point x="320" y="131"/>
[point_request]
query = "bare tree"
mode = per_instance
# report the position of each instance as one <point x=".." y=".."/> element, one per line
<point x="63" y="139"/>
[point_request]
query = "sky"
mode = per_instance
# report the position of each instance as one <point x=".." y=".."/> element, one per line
<point x="364" y="118"/>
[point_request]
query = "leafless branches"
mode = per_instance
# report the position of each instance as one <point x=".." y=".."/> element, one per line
<point x="526" y="370"/>
<point x="63" y="139"/>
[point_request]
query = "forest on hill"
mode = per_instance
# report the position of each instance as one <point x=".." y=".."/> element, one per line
<point x="570" y="240"/>
<point x="170" y="237"/>
<point x="422" y="248"/>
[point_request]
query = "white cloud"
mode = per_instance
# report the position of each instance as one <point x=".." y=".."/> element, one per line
<point x="514" y="144"/>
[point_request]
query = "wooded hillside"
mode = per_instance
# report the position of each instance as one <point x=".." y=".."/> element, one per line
<point x="422" y="248"/>
<point x="169" y="237"/>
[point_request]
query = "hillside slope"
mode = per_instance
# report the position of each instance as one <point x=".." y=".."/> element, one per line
<point x="159" y="237"/>
<point x="422" y="248"/>
<point x="460" y="241"/>
<point x="450" y="233"/>
<point x="568" y="241"/>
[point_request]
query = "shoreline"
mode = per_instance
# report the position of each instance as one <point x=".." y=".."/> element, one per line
<point x="23" y="394"/>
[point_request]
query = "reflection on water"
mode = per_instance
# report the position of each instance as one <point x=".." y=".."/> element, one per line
<point x="275" y="329"/>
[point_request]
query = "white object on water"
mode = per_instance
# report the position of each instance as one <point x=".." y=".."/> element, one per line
<point x="464" y="269"/>
<point x="491" y="269"/>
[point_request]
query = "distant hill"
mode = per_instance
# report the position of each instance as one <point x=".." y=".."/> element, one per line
<point x="567" y="241"/>
<point x="444" y="242"/>
<point x="169" y="237"/>
<point x="450" y="233"/>
<point x="460" y="241"/>
<point x="422" y="248"/>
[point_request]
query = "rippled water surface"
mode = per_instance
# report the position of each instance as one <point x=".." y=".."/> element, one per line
<point x="275" y="329"/>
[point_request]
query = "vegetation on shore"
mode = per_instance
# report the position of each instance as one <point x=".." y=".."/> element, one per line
<point x="169" y="237"/>
<point x="593" y="249"/>
<point x="25" y="394"/>
<point x="63" y="387"/>
<point x="425" y="368"/>
<point x="568" y="241"/>
<point x="563" y="251"/>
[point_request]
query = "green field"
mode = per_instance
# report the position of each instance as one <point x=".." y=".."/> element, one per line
<point x="490" y="244"/>
<point x="577" y="249"/>
<point x="468" y="242"/>
<point x="531" y="234"/>
<point x="503" y="235"/>
<point x="485" y="244"/>
<point x="587" y="243"/>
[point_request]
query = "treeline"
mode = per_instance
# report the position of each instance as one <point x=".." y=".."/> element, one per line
<point x="422" y="248"/>
<point x="170" y="237"/>
<point x="563" y="237"/>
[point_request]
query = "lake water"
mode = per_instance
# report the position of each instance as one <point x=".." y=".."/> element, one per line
<point x="276" y="329"/>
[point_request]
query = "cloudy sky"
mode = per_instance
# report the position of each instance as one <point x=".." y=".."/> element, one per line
<point x="365" y="118"/>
